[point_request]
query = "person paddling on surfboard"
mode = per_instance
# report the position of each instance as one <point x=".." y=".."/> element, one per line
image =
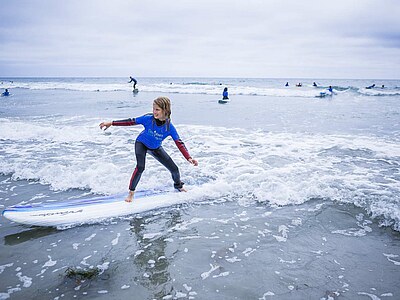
<point x="157" y="127"/>
<point x="370" y="87"/>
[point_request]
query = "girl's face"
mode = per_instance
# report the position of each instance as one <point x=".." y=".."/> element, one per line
<point x="158" y="112"/>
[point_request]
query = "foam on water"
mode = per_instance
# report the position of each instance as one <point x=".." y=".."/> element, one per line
<point x="256" y="87"/>
<point x="275" y="168"/>
<point x="379" y="92"/>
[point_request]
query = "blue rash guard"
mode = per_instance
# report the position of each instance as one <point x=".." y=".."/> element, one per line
<point x="153" y="135"/>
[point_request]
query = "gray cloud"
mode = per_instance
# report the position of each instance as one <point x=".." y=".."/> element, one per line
<point x="209" y="38"/>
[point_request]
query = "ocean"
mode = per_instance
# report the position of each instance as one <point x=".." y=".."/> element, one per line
<point x="296" y="196"/>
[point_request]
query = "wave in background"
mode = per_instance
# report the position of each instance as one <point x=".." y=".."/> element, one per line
<point x="255" y="87"/>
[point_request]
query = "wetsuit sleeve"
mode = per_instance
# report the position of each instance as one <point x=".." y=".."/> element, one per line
<point x="126" y="122"/>
<point x="178" y="142"/>
<point x="181" y="146"/>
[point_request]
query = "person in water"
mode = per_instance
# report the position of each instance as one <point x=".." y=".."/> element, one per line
<point x="330" y="89"/>
<point x="371" y="86"/>
<point x="6" y="93"/>
<point x="287" y="84"/>
<point x="157" y="127"/>
<point x="225" y="94"/>
<point x="133" y="80"/>
<point x="314" y="84"/>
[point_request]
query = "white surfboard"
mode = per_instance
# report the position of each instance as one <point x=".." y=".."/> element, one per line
<point x="321" y="95"/>
<point x="223" y="101"/>
<point x="91" y="210"/>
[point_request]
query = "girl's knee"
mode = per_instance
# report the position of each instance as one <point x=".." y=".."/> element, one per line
<point x="174" y="169"/>
<point x="140" y="168"/>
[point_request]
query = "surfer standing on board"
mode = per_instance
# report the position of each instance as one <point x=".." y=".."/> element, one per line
<point x="131" y="79"/>
<point x="157" y="127"/>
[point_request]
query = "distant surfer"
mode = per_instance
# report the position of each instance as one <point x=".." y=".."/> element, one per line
<point x="225" y="94"/>
<point x="314" y="84"/>
<point x="330" y="89"/>
<point x="287" y="84"/>
<point x="157" y="127"/>
<point x="134" y="82"/>
<point x="299" y="84"/>
<point x="6" y="93"/>
<point x="370" y="87"/>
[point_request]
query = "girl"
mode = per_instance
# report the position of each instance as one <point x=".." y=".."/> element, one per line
<point x="157" y="126"/>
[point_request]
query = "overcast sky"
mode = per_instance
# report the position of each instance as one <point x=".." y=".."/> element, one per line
<point x="206" y="38"/>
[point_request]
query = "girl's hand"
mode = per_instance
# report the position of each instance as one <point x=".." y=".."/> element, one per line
<point x="193" y="162"/>
<point x="105" y="125"/>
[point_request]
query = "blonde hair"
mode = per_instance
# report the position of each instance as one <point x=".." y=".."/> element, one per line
<point x="165" y="104"/>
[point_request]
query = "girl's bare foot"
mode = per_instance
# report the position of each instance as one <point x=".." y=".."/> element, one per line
<point x="129" y="198"/>
<point x="182" y="189"/>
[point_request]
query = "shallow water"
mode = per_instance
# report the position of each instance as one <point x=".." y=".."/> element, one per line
<point x="214" y="249"/>
<point x="295" y="197"/>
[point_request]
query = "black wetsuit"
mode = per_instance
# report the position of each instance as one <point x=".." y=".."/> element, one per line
<point x="149" y="140"/>
<point x="134" y="82"/>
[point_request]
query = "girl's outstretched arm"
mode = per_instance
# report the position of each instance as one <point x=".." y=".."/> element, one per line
<point x="126" y="122"/>
<point x="105" y="125"/>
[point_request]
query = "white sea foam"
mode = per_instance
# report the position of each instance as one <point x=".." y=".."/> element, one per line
<point x="379" y="92"/>
<point x="209" y="88"/>
<point x="103" y="267"/>
<point x="371" y="296"/>
<point x="267" y="294"/>
<point x="83" y="262"/>
<point x="49" y="263"/>
<point x="394" y="258"/>
<point x="283" y="230"/>
<point x="3" y="267"/>
<point x="252" y="87"/>
<point x="207" y="274"/>
<point x="27" y="281"/>
<point x="115" y="241"/>
<point x="90" y="237"/>
<point x="152" y="235"/>
<point x="278" y="168"/>
<point x="185" y="225"/>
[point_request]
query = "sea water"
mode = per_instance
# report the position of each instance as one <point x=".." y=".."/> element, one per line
<point x="295" y="196"/>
